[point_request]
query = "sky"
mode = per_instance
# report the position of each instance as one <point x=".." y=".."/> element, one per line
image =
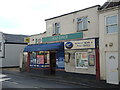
<point x="27" y="17"/>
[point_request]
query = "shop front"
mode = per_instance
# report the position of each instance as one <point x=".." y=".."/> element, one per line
<point x="46" y="58"/>
<point x="82" y="57"/>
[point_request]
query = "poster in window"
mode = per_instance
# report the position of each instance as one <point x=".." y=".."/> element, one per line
<point x="40" y="59"/>
<point x="84" y="56"/>
<point x="82" y="60"/>
<point x="91" y="60"/>
<point x="33" y="58"/>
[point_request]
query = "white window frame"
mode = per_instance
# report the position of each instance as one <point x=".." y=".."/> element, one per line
<point x="106" y="32"/>
<point x="56" y="32"/>
<point x="76" y="61"/>
<point x="78" y="29"/>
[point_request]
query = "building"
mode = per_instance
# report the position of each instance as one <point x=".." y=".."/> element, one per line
<point x="10" y="48"/>
<point x="78" y="28"/>
<point x="109" y="30"/>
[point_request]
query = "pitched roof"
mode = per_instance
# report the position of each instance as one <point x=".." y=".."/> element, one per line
<point x="110" y="3"/>
<point x="12" y="38"/>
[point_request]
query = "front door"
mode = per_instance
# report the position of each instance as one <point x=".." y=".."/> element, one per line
<point x="112" y="67"/>
<point x="52" y="62"/>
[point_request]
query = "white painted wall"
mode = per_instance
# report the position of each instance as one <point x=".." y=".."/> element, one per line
<point x="71" y="67"/>
<point x="12" y="55"/>
<point x="106" y="39"/>
<point x="2" y="45"/>
<point x="37" y="37"/>
<point x="68" y="23"/>
<point x="119" y="42"/>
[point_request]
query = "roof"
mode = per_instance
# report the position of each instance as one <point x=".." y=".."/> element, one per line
<point x="12" y="38"/>
<point x="109" y="4"/>
<point x="72" y="12"/>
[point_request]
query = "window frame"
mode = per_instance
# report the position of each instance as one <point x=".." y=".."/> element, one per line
<point x="76" y="66"/>
<point x="82" y="22"/>
<point x="106" y="25"/>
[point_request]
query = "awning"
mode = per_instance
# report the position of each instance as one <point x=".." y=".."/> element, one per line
<point x="44" y="47"/>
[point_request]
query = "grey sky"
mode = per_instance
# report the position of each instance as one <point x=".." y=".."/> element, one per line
<point x="27" y="16"/>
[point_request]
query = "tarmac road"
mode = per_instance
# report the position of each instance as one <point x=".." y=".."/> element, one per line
<point x="23" y="81"/>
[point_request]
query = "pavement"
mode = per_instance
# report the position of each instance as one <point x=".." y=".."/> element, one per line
<point x="88" y="82"/>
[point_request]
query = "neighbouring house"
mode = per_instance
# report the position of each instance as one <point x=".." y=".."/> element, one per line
<point x="109" y="41"/>
<point x="11" y="46"/>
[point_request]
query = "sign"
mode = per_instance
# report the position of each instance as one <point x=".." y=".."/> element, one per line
<point x="91" y="60"/>
<point x="63" y="37"/>
<point x="40" y="59"/>
<point x="27" y="39"/>
<point x="69" y="45"/>
<point x="81" y="44"/>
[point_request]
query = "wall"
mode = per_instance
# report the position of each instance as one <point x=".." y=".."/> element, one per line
<point x="37" y="37"/>
<point x="106" y="39"/>
<point x="71" y="66"/>
<point x="119" y="41"/>
<point x="12" y="54"/>
<point x="68" y="23"/>
<point x="1" y="48"/>
<point x="1" y="45"/>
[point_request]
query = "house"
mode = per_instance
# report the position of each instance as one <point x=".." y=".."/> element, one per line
<point x="10" y="48"/>
<point x="109" y="34"/>
<point x="70" y="44"/>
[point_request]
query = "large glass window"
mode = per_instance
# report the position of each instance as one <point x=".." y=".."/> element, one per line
<point x="112" y="24"/>
<point x="39" y="59"/>
<point x="81" y="59"/>
<point x="82" y="24"/>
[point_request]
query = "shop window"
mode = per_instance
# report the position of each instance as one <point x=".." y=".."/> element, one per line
<point x="82" y="24"/>
<point x="81" y="59"/>
<point x="112" y="24"/>
<point x="39" y="59"/>
<point x="33" y="59"/>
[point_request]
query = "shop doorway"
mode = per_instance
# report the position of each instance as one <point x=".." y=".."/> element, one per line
<point x="112" y="67"/>
<point x="52" y="63"/>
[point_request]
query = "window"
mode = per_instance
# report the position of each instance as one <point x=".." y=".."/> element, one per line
<point x="112" y="24"/>
<point x="56" y="28"/>
<point x="0" y="46"/>
<point x="82" y="24"/>
<point x="81" y="59"/>
<point x="39" y="59"/>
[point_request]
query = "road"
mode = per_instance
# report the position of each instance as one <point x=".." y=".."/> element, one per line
<point x="23" y="81"/>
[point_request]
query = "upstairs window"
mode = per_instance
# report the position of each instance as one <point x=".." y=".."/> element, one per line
<point x="112" y="24"/>
<point x="82" y="24"/>
<point x="0" y="46"/>
<point x="56" y="28"/>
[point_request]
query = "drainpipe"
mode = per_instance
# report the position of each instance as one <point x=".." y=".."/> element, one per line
<point x="97" y="60"/>
<point x="28" y="62"/>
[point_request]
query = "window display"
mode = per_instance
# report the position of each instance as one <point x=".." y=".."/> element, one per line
<point x="32" y="58"/>
<point x="39" y="59"/>
<point x="81" y="59"/>
<point x="91" y="60"/>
